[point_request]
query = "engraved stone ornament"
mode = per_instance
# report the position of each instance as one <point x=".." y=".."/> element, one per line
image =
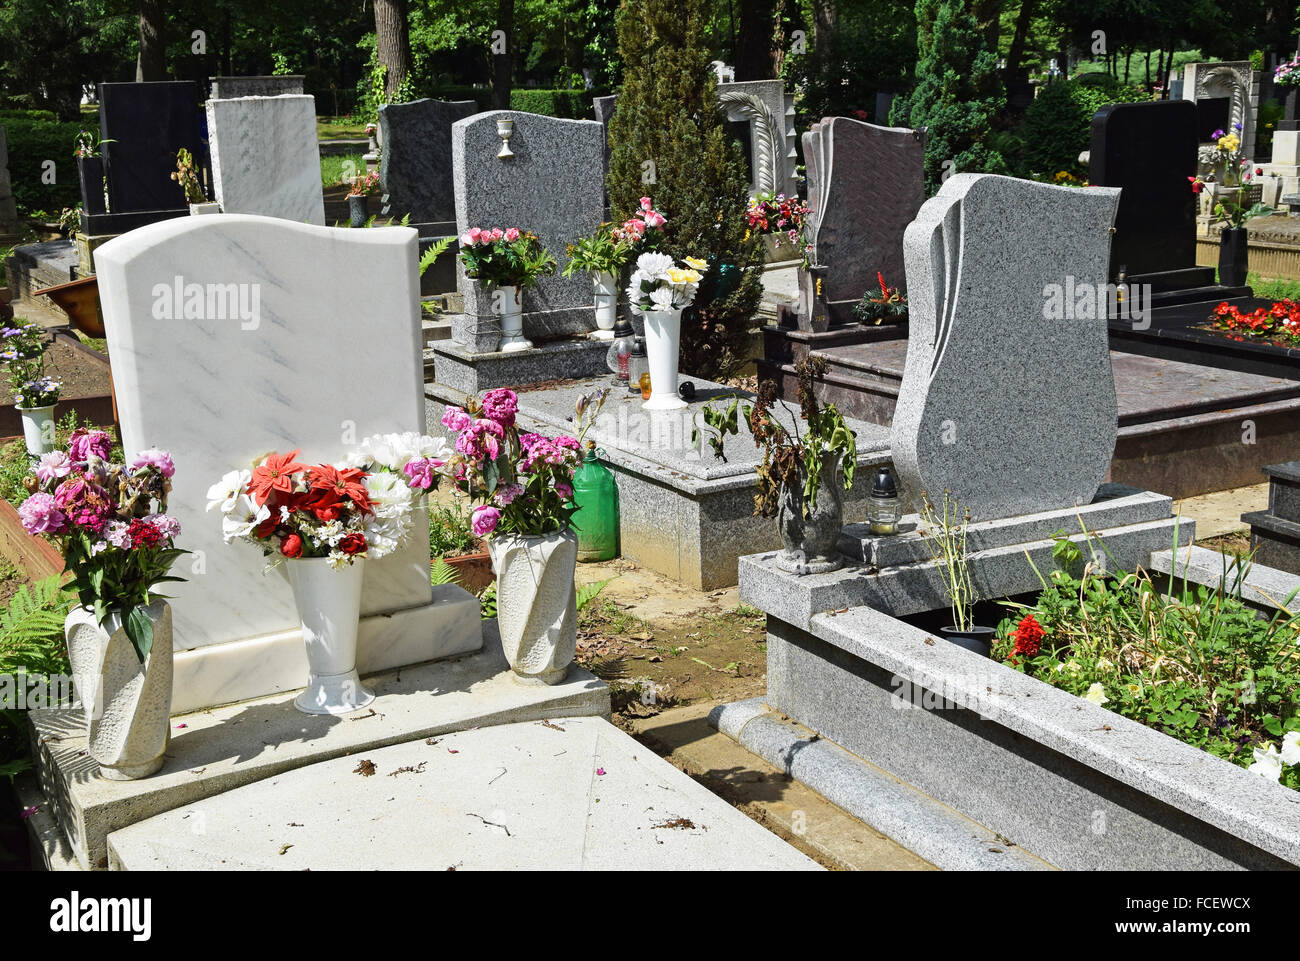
<point x="127" y="703"/>
<point x="537" y="607"/>
<point x="1012" y="411"/>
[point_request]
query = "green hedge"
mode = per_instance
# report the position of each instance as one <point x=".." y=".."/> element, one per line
<point x="31" y="143"/>
<point x="1057" y="126"/>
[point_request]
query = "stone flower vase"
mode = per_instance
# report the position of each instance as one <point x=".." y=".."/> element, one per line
<point x="511" y="303"/>
<point x="329" y="607"/>
<point x="537" y="605"/>
<point x="809" y="544"/>
<point x="663" y="335"/>
<point x="357" y="213"/>
<point x="1234" y="254"/>
<point x="606" y="300"/>
<point x="207" y="207"/>
<point x="38" y="428"/>
<point x="128" y="704"/>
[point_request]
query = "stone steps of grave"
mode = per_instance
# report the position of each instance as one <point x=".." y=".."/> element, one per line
<point x="566" y="794"/>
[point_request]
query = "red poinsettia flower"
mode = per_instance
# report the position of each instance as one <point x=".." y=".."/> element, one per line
<point x="345" y="483"/>
<point x="276" y="474"/>
<point x="324" y="504"/>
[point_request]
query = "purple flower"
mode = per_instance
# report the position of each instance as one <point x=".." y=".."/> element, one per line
<point x="456" y="419"/>
<point x="153" y="457"/>
<point x="53" y="466"/>
<point x="564" y="490"/>
<point x="84" y="443"/>
<point x="118" y="534"/>
<point x="484" y="520"/>
<point x="41" y="515"/>
<point x="501" y="405"/>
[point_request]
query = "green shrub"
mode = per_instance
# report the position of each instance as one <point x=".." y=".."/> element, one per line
<point x="1057" y="126"/>
<point x="33" y="141"/>
<point x="31" y="643"/>
<point x="450" y="534"/>
<point x="567" y="104"/>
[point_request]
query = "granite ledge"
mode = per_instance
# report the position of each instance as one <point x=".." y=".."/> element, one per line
<point x="1262" y="585"/>
<point x="1208" y="788"/>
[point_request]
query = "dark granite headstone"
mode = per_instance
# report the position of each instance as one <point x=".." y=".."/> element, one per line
<point x="1213" y="114"/>
<point x="142" y="126"/>
<point x="415" y="158"/>
<point x="228" y="88"/>
<point x="865" y="185"/>
<point x="603" y="108"/>
<point x="1148" y="150"/>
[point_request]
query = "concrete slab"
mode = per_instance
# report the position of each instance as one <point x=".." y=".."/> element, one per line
<point x="224" y="748"/>
<point x="574" y="795"/>
<point x="1263" y="586"/>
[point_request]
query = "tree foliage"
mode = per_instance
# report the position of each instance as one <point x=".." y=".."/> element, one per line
<point x="669" y="142"/>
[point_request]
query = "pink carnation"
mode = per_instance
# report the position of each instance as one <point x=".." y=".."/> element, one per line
<point x="420" y="472"/>
<point x="454" y="418"/>
<point x="53" y="466"/>
<point x="475" y="235"/>
<point x="501" y="405"/>
<point x="507" y="493"/>
<point x="512" y="234"/>
<point x="497" y="234"/>
<point x="484" y="520"/>
<point x="84" y="443"/>
<point x="155" y="458"/>
<point x="165" y="524"/>
<point x="564" y="490"/>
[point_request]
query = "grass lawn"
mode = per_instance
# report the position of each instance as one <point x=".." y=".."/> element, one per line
<point x="340" y="128"/>
<point x="1274" y="289"/>
<point x="341" y="169"/>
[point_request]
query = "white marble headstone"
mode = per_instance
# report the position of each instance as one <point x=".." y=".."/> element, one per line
<point x="265" y="157"/>
<point x="236" y="335"/>
<point x="1007" y="399"/>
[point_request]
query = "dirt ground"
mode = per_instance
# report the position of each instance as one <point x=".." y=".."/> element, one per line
<point x="82" y="374"/>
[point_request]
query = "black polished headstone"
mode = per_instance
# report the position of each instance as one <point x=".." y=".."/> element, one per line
<point x="142" y="126"/>
<point x="415" y="158"/>
<point x="1212" y="115"/>
<point x="1148" y="150"/>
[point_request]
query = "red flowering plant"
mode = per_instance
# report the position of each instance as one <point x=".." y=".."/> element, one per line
<point x="356" y="509"/>
<point x="778" y="214"/>
<point x="887" y="307"/>
<point x="1280" y="322"/>
<point x="110" y="522"/>
<point x="523" y="482"/>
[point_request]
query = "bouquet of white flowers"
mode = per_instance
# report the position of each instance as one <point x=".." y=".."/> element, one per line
<point x="659" y="283"/>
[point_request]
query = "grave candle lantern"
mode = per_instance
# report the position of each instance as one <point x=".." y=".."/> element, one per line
<point x="885" y="506"/>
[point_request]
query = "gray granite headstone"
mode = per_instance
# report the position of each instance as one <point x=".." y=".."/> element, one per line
<point x="264" y="157"/>
<point x="8" y="210"/>
<point x="865" y="185"/>
<point x="551" y="186"/>
<point x="415" y="158"/>
<point x="229" y="88"/>
<point x="603" y="108"/>
<point x="1011" y="411"/>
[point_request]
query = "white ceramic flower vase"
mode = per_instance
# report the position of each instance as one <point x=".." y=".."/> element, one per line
<point x="537" y="609"/>
<point x="38" y="428"/>
<point x="663" y="333"/>
<point x="606" y="299"/>
<point x="511" y="303"/>
<point x="127" y="703"/>
<point x="329" y="607"/>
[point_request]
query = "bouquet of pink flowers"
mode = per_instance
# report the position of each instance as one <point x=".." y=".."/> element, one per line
<point x="505" y="258"/>
<point x="110" y="522"/>
<point x="522" y="481"/>
<point x="643" y="231"/>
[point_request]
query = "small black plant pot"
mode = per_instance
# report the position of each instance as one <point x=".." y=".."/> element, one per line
<point x="1233" y="255"/>
<point x="357" y="210"/>
<point x="976" y="639"/>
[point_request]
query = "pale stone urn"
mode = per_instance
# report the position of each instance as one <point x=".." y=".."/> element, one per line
<point x="809" y="544"/>
<point x="537" y="605"/>
<point x="128" y="704"/>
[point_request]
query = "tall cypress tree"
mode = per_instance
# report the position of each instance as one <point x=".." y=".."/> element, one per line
<point x="958" y="93"/>
<point x="669" y="142"/>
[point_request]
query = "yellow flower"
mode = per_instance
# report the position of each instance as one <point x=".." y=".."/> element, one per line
<point x="1096" y="694"/>
<point x="696" y="263"/>
<point x="679" y="276"/>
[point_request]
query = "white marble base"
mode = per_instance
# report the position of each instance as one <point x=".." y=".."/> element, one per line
<point x="275" y="663"/>
<point x="601" y="335"/>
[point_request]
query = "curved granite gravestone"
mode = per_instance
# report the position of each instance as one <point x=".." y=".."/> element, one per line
<point x="1011" y="411"/>
<point x="865" y="184"/>
<point x="415" y="158"/>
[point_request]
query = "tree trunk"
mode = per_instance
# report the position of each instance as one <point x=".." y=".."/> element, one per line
<point x="151" y="63"/>
<point x="392" y="43"/>
<point x="503" y="64"/>
<point x="987" y="16"/>
<point x="754" y="40"/>
<point x="823" y="26"/>
<point x="1016" y="52"/>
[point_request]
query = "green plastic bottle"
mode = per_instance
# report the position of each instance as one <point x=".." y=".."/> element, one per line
<point x="596" y="517"/>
